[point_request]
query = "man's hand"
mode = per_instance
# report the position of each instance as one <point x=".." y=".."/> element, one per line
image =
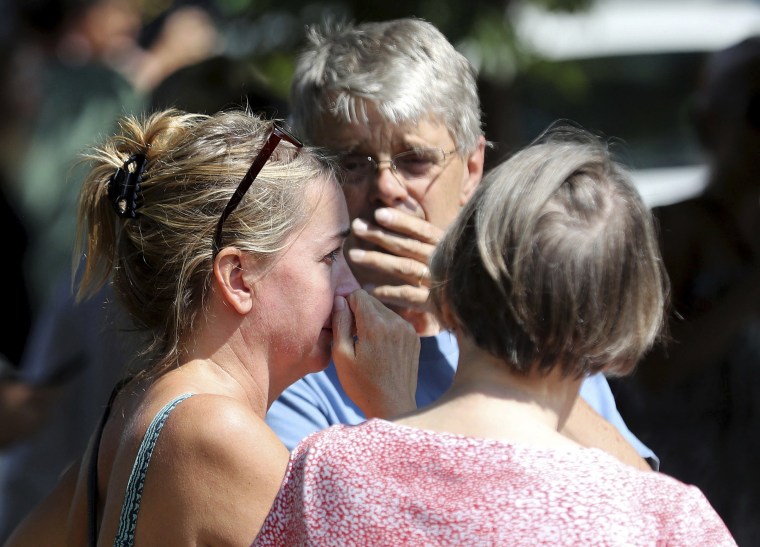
<point x="406" y="243"/>
<point x="376" y="354"/>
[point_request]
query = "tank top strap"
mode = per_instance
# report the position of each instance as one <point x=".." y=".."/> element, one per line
<point x="93" y="525"/>
<point x="125" y="536"/>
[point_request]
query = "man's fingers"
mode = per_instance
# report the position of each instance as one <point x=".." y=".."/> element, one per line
<point x="403" y="296"/>
<point x="408" y="225"/>
<point x="407" y="270"/>
<point x="394" y="243"/>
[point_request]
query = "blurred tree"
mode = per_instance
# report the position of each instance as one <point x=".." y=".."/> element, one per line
<point x="270" y="32"/>
<point x="263" y="37"/>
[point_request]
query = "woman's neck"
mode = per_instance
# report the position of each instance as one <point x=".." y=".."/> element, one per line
<point x="488" y="400"/>
<point x="479" y="372"/>
<point x="229" y="365"/>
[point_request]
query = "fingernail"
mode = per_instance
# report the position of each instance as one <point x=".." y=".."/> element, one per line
<point x="360" y="225"/>
<point x="355" y="254"/>
<point x="339" y="303"/>
<point x="383" y="215"/>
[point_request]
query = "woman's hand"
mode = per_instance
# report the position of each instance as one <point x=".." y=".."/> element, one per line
<point x="376" y="354"/>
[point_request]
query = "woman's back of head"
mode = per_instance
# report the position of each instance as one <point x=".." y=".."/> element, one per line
<point x="554" y="261"/>
<point x="157" y="249"/>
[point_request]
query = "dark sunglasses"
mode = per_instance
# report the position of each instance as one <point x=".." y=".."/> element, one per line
<point x="278" y="134"/>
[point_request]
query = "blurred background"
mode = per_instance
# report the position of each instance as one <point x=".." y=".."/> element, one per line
<point x="626" y="69"/>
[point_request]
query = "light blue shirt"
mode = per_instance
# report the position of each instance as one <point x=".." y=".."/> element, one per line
<point x="318" y="400"/>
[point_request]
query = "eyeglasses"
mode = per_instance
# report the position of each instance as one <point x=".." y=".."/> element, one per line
<point x="423" y="163"/>
<point x="278" y="133"/>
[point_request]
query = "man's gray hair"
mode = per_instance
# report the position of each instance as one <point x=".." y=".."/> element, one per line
<point x="406" y="68"/>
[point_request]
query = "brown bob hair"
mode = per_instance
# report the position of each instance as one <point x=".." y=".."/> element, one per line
<point x="554" y="261"/>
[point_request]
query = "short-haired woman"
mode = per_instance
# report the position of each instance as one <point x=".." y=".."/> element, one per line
<point x="551" y="272"/>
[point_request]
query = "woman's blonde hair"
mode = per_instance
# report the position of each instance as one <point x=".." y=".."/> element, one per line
<point x="160" y="263"/>
<point x="554" y="262"/>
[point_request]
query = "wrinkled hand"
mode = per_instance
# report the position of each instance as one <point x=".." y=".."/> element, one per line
<point x="407" y="242"/>
<point x="378" y="367"/>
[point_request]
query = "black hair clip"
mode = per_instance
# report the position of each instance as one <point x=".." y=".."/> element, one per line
<point x="124" y="186"/>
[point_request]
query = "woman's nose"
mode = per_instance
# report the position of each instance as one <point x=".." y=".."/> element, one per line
<point x="347" y="283"/>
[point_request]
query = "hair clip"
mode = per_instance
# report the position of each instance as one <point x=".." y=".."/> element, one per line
<point x="124" y="186"/>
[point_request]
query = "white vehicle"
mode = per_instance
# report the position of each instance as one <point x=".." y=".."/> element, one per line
<point x="627" y="69"/>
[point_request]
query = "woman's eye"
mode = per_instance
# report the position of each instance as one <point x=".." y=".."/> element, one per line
<point x="333" y="256"/>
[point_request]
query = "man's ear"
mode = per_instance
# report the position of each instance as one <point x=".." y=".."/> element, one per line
<point x="232" y="283"/>
<point x="474" y="166"/>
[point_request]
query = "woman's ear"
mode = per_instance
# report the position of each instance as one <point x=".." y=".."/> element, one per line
<point x="448" y="317"/>
<point x="231" y="282"/>
<point x="443" y="312"/>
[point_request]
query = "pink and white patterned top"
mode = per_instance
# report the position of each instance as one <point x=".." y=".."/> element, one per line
<point x="380" y="483"/>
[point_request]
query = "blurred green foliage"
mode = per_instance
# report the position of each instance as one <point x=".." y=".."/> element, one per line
<point x="270" y="32"/>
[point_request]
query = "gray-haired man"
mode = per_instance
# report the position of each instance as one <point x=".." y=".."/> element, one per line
<point x="400" y="107"/>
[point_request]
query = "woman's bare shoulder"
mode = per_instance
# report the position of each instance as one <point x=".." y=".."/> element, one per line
<point x="215" y="471"/>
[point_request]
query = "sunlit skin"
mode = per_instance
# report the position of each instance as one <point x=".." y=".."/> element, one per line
<point x="296" y="294"/>
<point x="267" y="325"/>
<point x="396" y="223"/>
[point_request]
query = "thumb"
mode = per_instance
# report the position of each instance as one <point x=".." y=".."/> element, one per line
<point x="342" y="328"/>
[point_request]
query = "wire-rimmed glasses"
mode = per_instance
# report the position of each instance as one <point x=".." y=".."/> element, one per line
<point x="278" y="133"/>
<point x="413" y="165"/>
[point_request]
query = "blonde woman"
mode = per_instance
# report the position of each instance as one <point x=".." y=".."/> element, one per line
<point x="223" y="237"/>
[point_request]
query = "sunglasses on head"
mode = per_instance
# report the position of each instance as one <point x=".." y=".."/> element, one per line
<point x="279" y="133"/>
